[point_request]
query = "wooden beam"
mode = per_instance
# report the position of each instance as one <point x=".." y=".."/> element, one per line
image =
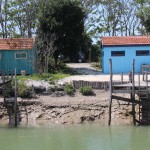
<point x="124" y="99"/>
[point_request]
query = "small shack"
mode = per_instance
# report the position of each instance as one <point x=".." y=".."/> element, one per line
<point x="122" y="50"/>
<point x="19" y="53"/>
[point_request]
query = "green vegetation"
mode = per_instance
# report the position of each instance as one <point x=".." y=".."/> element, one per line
<point x="55" y="75"/>
<point x="86" y="90"/>
<point x="24" y="91"/>
<point x="69" y="89"/>
<point x="50" y="77"/>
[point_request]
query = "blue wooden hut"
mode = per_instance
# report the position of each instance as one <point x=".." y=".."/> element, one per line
<point x="17" y="53"/>
<point x="122" y="50"/>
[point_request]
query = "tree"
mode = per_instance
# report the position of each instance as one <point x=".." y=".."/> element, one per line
<point x="111" y="18"/>
<point x="144" y="14"/>
<point x="18" y="18"/>
<point x="64" y="19"/>
<point x="3" y="18"/>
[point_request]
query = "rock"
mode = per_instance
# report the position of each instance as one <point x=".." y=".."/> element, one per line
<point x="39" y="89"/>
<point x="1" y="115"/>
<point x="39" y="86"/>
<point x="83" y="118"/>
<point x="90" y="118"/>
<point x="40" y="116"/>
<point x="60" y="87"/>
<point x="53" y="115"/>
<point x="59" y="93"/>
<point x="48" y="92"/>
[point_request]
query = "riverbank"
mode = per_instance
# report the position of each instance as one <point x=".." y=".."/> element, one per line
<point x="59" y="108"/>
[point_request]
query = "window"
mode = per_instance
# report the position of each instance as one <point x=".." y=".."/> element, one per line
<point x="20" y="55"/>
<point x="143" y="53"/>
<point x="118" y="53"/>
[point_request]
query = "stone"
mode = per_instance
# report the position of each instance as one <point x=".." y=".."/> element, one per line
<point x="39" y="89"/>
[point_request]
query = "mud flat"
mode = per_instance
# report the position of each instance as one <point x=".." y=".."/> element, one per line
<point x="59" y="108"/>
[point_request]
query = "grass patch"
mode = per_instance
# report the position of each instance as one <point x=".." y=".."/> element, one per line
<point x="59" y="73"/>
<point x="86" y="90"/>
<point x="24" y="91"/>
<point x="69" y="89"/>
<point x="51" y="77"/>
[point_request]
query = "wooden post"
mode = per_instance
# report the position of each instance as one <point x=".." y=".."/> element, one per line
<point x="122" y="78"/>
<point x="4" y="85"/>
<point x="110" y="89"/>
<point x="133" y="93"/>
<point x="139" y="92"/>
<point x="15" y="106"/>
<point x="147" y="85"/>
<point x="130" y="77"/>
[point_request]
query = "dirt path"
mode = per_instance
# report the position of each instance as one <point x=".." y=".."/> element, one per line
<point x="84" y="68"/>
<point x="88" y="73"/>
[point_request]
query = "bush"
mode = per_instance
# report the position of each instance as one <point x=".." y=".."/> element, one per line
<point x="24" y="91"/>
<point x="69" y="89"/>
<point x="86" y="90"/>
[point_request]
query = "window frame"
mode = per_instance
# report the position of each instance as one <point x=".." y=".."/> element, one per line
<point x="114" y="53"/>
<point x="146" y="54"/>
<point x="21" y="53"/>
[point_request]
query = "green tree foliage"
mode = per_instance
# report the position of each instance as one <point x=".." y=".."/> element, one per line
<point x="18" y="18"/>
<point x="112" y="18"/>
<point x="144" y="13"/>
<point x="65" y="20"/>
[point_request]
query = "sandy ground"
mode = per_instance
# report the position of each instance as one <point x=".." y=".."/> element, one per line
<point x="88" y="73"/>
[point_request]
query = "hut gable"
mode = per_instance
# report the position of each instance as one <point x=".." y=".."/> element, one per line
<point x="16" y="43"/>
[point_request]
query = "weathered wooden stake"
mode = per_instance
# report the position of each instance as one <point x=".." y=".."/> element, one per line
<point x="147" y="85"/>
<point x="122" y="78"/>
<point x="133" y="93"/>
<point x="15" y="106"/>
<point x="139" y="92"/>
<point x="110" y="89"/>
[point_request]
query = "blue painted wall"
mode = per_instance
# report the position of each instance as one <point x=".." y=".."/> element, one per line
<point x="123" y="64"/>
<point x="8" y="62"/>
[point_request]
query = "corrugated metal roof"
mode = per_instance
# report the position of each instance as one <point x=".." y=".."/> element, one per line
<point x="16" y="43"/>
<point x="126" y="40"/>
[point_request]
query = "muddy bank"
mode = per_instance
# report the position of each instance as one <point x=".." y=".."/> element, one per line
<point x="59" y="108"/>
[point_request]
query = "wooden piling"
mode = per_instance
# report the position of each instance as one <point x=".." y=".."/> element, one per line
<point x="122" y="78"/>
<point x="139" y="91"/>
<point x="15" y="105"/>
<point x="147" y="86"/>
<point x="133" y="93"/>
<point x="110" y="89"/>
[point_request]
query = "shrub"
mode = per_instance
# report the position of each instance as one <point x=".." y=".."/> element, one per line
<point x="24" y="91"/>
<point x="69" y="89"/>
<point x="86" y="90"/>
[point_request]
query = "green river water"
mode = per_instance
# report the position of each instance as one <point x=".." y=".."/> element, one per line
<point x="75" y="137"/>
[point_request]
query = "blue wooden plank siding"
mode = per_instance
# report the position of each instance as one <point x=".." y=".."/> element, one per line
<point x="8" y="61"/>
<point x="123" y="64"/>
<point x="122" y="50"/>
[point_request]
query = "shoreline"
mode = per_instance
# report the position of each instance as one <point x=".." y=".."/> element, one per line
<point x="63" y="109"/>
